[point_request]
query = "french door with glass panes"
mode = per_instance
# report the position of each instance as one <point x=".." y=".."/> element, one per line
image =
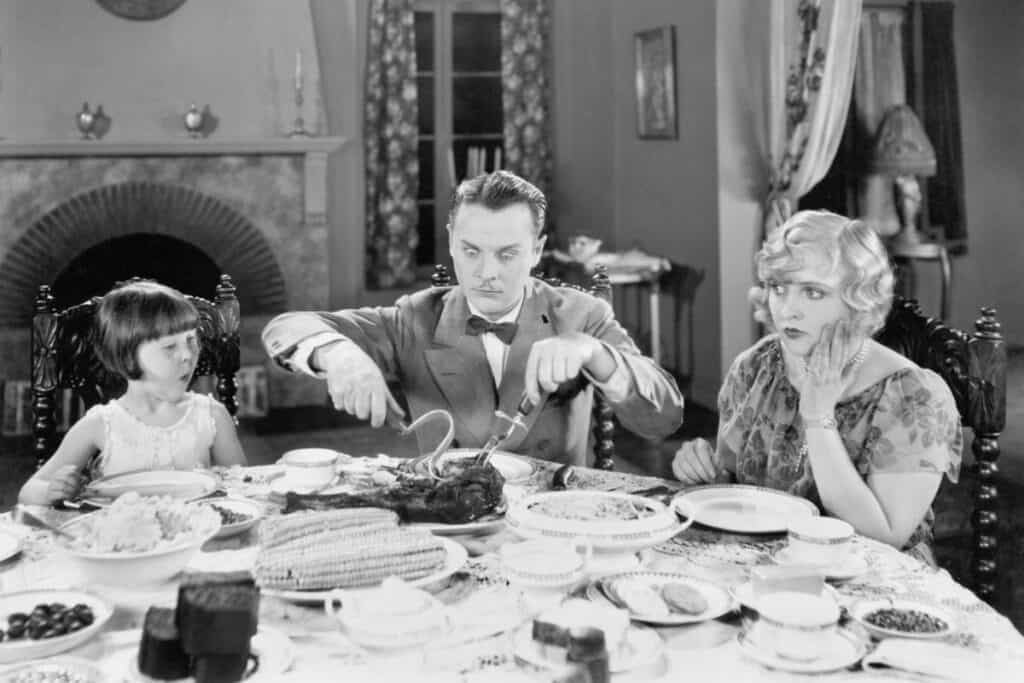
<point x="458" y="74"/>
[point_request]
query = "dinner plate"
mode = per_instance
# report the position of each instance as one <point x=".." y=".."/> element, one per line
<point x="742" y="508"/>
<point x="174" y="483"/>
<point x="252" y="511"/>
<point x="273" y="648"/>
<point x="850" y="567"/>
<point x="845" y="650"/>
<point x="455" y="558"/>
<point x="861" y="609"/>
<point x="10" y="545"/>
<point x="25" y="601"/>
<point x="62" y="668"/>
<point x="718" y="598"/>
<point x="641" y="647"/>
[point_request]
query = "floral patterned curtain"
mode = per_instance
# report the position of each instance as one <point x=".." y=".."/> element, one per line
<point x="810" y="102"/>
<point x="525" y="35"/>
<point x="389" y="134"/>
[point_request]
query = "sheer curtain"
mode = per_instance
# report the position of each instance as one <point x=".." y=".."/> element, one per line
<point x="389" y="138"/>
<point x="525" y="95"/>
<point x="813" y="49"/>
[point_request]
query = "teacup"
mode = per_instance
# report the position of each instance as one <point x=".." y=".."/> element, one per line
<point x="795" y="626"/>
<point x="310" y="468"/>
<point x="546" y="563"/>
<point x="819" y="540"/>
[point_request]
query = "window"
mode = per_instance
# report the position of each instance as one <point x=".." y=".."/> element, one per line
<point x="458" y="62"/>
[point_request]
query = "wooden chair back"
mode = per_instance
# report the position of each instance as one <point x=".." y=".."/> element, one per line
<point x="603" y="417"/>
<point x="974" y="366"/>
<point x="64" y="357"/>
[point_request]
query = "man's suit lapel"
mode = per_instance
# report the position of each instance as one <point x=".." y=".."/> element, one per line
<point x="534" y="325"/>
<point x="459" y="365"/>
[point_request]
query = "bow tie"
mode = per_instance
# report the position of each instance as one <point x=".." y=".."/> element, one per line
<point x="503" y="331"/>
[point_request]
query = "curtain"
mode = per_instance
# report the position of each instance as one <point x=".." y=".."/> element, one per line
<point x="525" y="96"/>
<point x="941" y="119"/>
<point x="880" y="84"/>
<point x="389" y="138"/>
<point x="813" y="47"/>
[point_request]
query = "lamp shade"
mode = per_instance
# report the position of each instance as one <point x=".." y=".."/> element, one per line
<point x="901" y="146"/>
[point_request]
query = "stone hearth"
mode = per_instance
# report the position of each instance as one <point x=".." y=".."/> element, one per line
<point x="255" y="209"/>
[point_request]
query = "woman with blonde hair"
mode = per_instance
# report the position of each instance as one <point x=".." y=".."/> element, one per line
<point x="818" y="408"/>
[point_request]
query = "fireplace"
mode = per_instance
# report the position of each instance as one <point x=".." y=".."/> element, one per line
<point x="81" y="215"/>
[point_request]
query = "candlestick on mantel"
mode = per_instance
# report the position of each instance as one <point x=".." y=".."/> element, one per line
<point x="299" y="127"/>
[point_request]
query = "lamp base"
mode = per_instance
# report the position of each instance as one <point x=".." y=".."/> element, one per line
<point x="910" y="243"/>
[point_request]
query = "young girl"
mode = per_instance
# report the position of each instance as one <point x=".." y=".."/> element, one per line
<point x="147" y="333"/>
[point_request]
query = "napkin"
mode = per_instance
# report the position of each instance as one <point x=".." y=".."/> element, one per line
<point x="936" y="660"/>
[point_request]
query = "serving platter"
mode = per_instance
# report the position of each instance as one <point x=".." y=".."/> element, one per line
<point x="455" y="558"/>
<point x="273" y="648"/>
<point x="742" y="508"/>
<point x="642" y="646"/>
<point x="20" y="649"/>
<point x="182" y="484"/>
<point x="718" y="599"/>
<point x="610" y="521"/>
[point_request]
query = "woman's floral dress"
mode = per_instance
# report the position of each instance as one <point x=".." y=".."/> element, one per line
<point x="905" y="422"/>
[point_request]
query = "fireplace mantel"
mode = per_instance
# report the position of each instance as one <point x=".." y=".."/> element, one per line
<point x="314" y="149"/>
<point x="43" y="149"/>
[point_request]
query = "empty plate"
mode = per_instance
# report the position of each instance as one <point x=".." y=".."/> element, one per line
<point x="744" y="509"/>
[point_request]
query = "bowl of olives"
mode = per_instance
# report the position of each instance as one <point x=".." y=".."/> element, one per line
<point x="39" y="623"/>
<point x="897" y="618"/>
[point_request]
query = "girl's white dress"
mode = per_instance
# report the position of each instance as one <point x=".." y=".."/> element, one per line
<point x="130" y="444"/>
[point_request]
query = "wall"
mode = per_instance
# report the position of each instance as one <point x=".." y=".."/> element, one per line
<point x="659" y="195"/>
<point x="990" y="65"/>
<point x="237" y="56"/>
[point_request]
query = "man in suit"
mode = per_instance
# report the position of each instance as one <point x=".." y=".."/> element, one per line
<point x="481" y="345"/>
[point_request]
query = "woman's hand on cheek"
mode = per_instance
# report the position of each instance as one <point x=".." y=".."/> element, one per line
<point x="823" y="380"/>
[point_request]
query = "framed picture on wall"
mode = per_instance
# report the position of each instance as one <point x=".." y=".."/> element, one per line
<point x="656" y="83"/>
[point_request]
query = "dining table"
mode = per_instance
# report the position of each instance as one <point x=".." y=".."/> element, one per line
<point x="312" y="646"/>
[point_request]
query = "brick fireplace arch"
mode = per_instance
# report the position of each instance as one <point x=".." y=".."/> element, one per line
<point x="106" y="213"/>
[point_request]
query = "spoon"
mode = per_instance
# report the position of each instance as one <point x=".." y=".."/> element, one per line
<point x="563" y="477"/>
<point x="24" y="516"/>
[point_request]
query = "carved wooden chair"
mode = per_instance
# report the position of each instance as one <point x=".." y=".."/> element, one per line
<point x="63" y="357"/>
<point x="974" y="366"/>
<point x="603" y="417"/>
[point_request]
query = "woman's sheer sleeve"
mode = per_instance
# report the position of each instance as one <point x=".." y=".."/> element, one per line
<point x="915" y="428"/>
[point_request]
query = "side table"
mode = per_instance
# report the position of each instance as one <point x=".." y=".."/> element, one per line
<point x="906" y="254"/>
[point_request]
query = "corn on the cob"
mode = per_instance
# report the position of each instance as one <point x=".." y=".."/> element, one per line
<point x="283" y="529"/>
<point x="350" y="560"/>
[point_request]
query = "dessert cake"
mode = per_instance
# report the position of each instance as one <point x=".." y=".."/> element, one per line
<point x="551" y="627"/>
<point x="218" y="618"/>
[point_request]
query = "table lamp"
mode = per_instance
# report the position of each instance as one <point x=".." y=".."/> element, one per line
<point x="902" y="150"/>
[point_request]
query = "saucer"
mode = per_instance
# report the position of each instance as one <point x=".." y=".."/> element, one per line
<point x="862" y="610"/>
<point x="641" y="646"/>
<point x="845" y="650"/>
<point x="852" y="566"/>
<point x="744" y="594"/>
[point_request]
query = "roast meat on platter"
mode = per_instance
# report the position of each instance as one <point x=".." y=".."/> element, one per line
<point x="464" y="493"/>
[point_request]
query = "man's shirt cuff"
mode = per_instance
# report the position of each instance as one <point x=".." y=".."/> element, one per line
<point x="619" y="384"/>
<point x="303" y="353"/>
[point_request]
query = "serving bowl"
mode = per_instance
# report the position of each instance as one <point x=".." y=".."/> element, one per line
<point x="133" y="569"/>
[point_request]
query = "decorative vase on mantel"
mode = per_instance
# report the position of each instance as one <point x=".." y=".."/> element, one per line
<point x="85" y="120"/>
<point x="194" y="121"/>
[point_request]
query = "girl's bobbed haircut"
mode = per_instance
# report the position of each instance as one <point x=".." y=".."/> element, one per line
<point x="848" y="245"/>
<point x="137" y="312"/>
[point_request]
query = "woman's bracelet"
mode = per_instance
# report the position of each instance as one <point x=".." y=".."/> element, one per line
<point x="823" y="422"/>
